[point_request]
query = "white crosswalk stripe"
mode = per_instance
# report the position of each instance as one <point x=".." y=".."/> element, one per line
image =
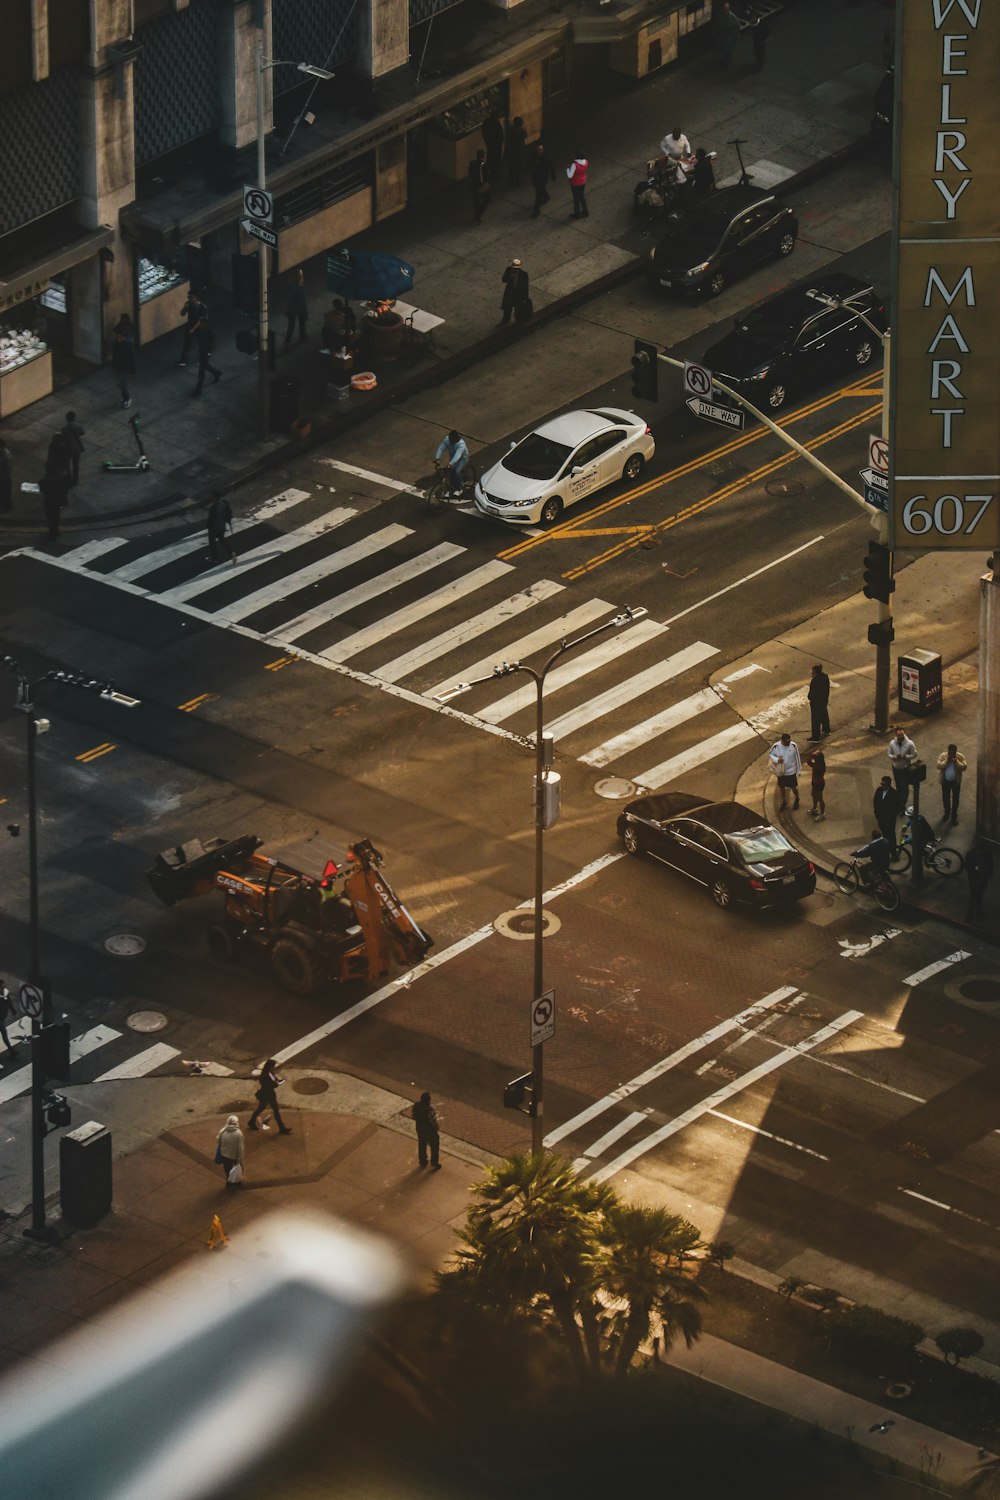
<point x="88" y="1042"/>
<point x="316" y="588"/>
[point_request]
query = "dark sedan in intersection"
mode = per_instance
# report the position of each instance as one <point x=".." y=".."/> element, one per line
<point x="733" y="852"/>
<point x="722" y="238"/>
<point x="799" y="339"/>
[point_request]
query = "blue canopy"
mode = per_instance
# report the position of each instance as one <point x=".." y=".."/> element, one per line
<point x="364" y="276"/>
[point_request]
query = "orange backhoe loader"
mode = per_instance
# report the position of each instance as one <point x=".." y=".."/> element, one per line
<point x="345" y="922"/>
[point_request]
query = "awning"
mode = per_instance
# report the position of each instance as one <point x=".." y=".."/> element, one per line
<point x="32" y="276"/>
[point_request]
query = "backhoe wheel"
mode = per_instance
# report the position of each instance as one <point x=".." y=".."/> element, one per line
<point x="222" y="942"/>
<point x="294" y="966"/>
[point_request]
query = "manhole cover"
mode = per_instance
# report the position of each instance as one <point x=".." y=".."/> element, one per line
<point x="784" y="487"/>
<point x="615" y="788"/>
<point x="980" y="991"/>
<point x="125" y="945"/>
<point x="146" y="1020"/>
<point x="310" y="1086"/>
<point x="520" y="925"/>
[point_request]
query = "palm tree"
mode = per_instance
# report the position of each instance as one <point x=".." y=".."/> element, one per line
<point x="644" y="1275"/>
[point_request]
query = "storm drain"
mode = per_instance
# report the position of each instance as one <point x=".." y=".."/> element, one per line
<point x="125" y="945"/>
<point x="146" y="1020"/>
<point x="310" y="1086"/>
<point x="519" y="925"/>
<point x="616" y="788"/>
<point x="978" y="991"/>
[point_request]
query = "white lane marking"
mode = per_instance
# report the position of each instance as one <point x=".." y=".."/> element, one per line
<point x="382" y="479"/>
<point x="363" y="593"/>
<point x="861" y="950"/>
<point x="284" y="589"/>
<point x="657" y="724"/>
<point x="571" y="671"/>
<point x="741" y="581"/>
<point x="449" y="593"/>
<point x="875" y="1083"/>
<point x="637" y="1117"/>
<point x="624" y="1090"/>
<point x="742" y="672"/>
<point x="948" y="1208"/>
<point x="781" y="1058"/>
<point x="366" y="679"/>
<point x="460" y="635"/>
<point x="264" y="552"/>
<point x="631" y="688"/>
<point x="679" y="765"/>
<point x="141" y="1064"/>
<point x="767" y="719"/>
<point x="545" y="635"/>
<point x="428" y="965"/>
<point x="277" y="503"/>
<point x="779" y="1140"/>
<point x="140" y="566"/>
<point x="87" y="551"/>
<point x="87" y="1041"/>
<point x="932" y="969"/>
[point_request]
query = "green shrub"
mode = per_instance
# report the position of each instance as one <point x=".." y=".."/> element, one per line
<point x="958" y="1343"/>
<point x="874" y="1335"/>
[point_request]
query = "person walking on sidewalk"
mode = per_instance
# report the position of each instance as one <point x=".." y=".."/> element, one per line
<point x="887" y="807"/>
<point x="123" y="355"/>
<point x="817" y="761"/>
<point x="902" y="753"/>
<point x="515" y="292"/>
<point x="54" y="484"/>
<point x="6" y="479"/>
<point x="7" y="1013"/>
<point x="267" y="1097"/>
<point x="819" y="703"/>
<point x="577" y="174"/>
<point x="73" y="436"/>
<point x="542" y="172"/>
<point x="493" y="137"/>
<point x="206" y="348"/>
<point x="220" y="517"/>
<point x="479" y="186"/>
<point x="727" y="34"/>
<point x="229" y="1148"/>
<point x="979" y="872"/>
<point x="786" y="763"/>
<point x="196" y="313"/>
<point x="513" y="152"/>
<point x="428" y="1134"/>
<point x="297" y="308"/>
<point x="951" y="766"/>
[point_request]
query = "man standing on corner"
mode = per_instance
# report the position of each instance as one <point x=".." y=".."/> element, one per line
<point x="515" y="291"/>
<point x="887" y="808"/>
<point x="819" y="703"/>
<point x="902" y="752"/>
<point x="428" y="1134"/>
<point x="577" y="174"/>
<point x="950" y="765"/>
<point x="786" y="763"/>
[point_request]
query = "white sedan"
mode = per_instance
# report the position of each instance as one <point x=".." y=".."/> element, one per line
<point x="563" y="460"/>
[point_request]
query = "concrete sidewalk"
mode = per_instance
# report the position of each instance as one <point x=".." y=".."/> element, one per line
<point x="352" y="1154"/>
<point x="811" y="103"/>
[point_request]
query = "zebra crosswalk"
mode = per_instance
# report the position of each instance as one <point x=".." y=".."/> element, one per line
<point x="99" y="1043"/>
<point x="377" y="600"/>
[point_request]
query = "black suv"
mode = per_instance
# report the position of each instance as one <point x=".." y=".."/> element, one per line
<point x="799" y="338"/>
<point x="721" y="238"/>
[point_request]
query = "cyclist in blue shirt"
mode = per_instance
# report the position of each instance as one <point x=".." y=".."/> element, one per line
<point x="879" y="856"/>
<point x="453" y="451"/>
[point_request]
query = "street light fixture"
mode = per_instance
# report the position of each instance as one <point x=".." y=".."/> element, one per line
<point x="543" y="753"/>
<point x="264" y="65"/>
<point x="35" y="726"/>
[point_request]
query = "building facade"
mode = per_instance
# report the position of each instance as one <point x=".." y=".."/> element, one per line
<point x="129" y="131"/>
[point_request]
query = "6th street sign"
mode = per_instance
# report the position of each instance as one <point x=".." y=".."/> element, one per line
<point x="726" y="416"/>
<point x="258" y="232"/>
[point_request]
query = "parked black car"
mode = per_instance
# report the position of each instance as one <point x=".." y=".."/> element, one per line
<point x="722" y="238"/>
<point x="798" y="339"/>
<point x="724" y="846"/>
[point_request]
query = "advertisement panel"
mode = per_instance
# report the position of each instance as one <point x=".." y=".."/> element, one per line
<point x="945" y="432"/>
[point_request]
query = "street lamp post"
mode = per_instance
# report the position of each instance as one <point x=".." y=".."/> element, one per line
<point x="542" y="764"/>
<point x="264" y="354"/>
<point x="35" y="726"/>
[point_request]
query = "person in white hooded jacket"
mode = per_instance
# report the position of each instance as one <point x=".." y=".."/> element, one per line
<point x="229" y="1147"/>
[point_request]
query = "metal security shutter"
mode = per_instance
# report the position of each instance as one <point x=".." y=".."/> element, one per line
<point x="422" y="10"/>
<point x="176" y="80"/>
<point x="305" y="31"/>
<point x="40" y="160"/>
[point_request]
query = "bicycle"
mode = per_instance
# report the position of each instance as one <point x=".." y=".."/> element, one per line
<point x="439" y="495"/>
<point x="850" y="875"/>
<point x="937" y="857"/>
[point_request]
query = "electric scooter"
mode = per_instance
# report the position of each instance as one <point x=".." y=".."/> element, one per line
<point x="141" y="464"/>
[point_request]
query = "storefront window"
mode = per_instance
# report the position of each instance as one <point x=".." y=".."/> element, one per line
<point x="154" y="279"/>
<point x="22" y="334"/>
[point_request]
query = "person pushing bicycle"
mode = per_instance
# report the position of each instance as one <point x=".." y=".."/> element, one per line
<point x="453" y="453"/>
<point x="878" y="855"/>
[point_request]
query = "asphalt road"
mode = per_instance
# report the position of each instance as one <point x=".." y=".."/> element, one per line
<point x="291" y="695"/>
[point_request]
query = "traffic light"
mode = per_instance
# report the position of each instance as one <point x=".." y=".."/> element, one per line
<point x="517" y="1091"/>
<point x="57" y="1111"/>
<point x="246" y="283"/>
<point x="879" y="582"/>
<point x="645" y="370"/>
<point x="881" y="633"/>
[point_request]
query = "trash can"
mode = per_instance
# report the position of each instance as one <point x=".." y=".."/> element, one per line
<point x="284" y="402"/>
<point x="919" y="682"/>
<point x="85" y="1174"/>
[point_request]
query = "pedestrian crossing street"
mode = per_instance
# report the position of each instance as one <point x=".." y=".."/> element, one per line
<point x="111" y="1053"/>
<point x="376" y="599"/>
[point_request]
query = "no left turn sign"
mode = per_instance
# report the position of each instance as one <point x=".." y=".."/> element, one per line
<point x="30" y="1000"/>
<point x="697" y="380"/>
<point x="543" y="1018"/>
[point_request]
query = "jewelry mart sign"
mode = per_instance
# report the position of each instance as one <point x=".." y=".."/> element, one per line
<point x="945" y="429"/>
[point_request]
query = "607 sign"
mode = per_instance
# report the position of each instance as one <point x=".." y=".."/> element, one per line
<point x="943" y="518"/>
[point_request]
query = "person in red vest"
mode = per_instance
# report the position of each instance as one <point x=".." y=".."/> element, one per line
<point x="577" y="174"/>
